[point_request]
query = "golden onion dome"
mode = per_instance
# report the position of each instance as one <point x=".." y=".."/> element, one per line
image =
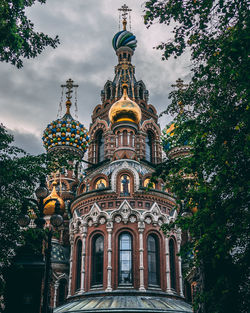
<point x="49" y="208"/>
<point x="125" y="109"/>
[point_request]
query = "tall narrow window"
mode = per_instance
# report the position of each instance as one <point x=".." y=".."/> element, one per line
<point x="78" y="264"/>
<point x="125" y="259"/>
<point x="97" y="260"/>
<point x="62" y="289"/>
<point x="172" y="263"/>
<point x="149" y="146"/>
<point x="153" y="260"/>
<point x="100" y="147"/>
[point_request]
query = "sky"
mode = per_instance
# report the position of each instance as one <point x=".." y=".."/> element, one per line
<point x="30" y="96"/>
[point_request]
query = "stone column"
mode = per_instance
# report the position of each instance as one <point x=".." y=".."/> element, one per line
<point x="83" y="237"/>
<point x="71" y="240"/>
<point x="55" y="293"/>
<point x="109" y="228"/>
<point x="167" y="266"/>
<point x="179" y="261"/>
<point x="141" y="227"/>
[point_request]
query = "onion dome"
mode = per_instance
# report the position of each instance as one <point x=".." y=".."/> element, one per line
<point x="124" y="38"/>
<point x="176" y="146"/>
<point x="125" y="110"/>
<point x="66" y="132"/>
<point x="49" y="208"/>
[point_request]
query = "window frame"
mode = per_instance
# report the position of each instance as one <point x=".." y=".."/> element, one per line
<point x="157" y="260"/>
<point x="93" y="281"/>
<point x="121" y="284"/>
<point x="78" y="267"/>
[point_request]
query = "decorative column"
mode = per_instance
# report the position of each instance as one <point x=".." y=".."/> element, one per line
<point x="167" y="266"/>
<point x="83" y="237"/>
<point x="71" y="240"/>
<point x="55" y="293"/>
<point x="179" y="261"/>
<point x="109" y="227"/>
<point x="141" y="227"/>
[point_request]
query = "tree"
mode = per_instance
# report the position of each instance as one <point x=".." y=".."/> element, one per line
<point x="18" y="38"/>
<point x="20" y="174"/>
<point x="215" y="119"/>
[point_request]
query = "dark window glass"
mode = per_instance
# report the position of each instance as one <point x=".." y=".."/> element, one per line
<point x="78" y="264"/>
<point x="141" y="93"/>
<point x="108" y="92"/>
<point x="100" y="147"/>
<point x="153" y="263"/>
<point x="125" y="259"/>
<point x="62" y="291"/>
<point x="172" y="263"/>
<point x="149" y="147"/>
<point x="97" y="260"/>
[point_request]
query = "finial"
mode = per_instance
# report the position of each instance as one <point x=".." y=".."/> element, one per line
<point x="125" y="87"/>
<point x="69" y="86"/>
<point x="125" y="11"/>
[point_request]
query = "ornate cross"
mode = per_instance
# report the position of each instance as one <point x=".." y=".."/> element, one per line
<point x="69" y="85"/>
<point x="179" y="84"/>
<point x="125" y="10"/>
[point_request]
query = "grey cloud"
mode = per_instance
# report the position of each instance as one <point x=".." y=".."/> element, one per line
<point x="30" y="97"/>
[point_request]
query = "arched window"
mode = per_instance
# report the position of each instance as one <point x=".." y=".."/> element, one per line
<point x="78" y="264"/>
<point x="141" y="93"/>
<point x="125" y="259"/>
<point x="62" y="291"/>
<point x="153" y="260"/>
<point x="149" y="146"/>
<point x="125" y="138"/>
<point x="172" y="263"/>
<point x="108" y="92"/>
<point x="97" y="260"/>
<point x="100" y="147"/>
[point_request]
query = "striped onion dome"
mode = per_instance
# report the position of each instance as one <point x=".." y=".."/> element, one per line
<point x="124" y="38"/>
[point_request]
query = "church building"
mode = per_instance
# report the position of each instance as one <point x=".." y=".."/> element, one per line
<point x="111" y="255"/>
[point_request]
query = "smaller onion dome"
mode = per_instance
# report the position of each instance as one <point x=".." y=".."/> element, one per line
<point x="124" y="38"/>
<point x="66" y="131"/>
<point x="125" y="109"/>
<point x="176" y="145"/>
<point x="49" y="208"/>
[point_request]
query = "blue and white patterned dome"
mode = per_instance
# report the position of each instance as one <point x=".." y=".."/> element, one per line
<point x="124" y="38"/>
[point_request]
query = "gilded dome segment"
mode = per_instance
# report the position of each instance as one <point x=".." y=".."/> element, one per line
<point x="66" y="132"/>
<point x="125" y="110"/>
<point x="124" y="38"/>
<point x="49" y="208"/>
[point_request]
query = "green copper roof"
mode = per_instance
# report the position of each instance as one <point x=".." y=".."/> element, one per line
<point x="126" y="303"/>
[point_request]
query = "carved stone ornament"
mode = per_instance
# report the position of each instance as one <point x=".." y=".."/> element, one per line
<point x="148" y="220"/>
<point x="132" y="219"/>
<point x="118" y="219"/>
<point x="90" y="222"/>
<point x="102" y="220"/>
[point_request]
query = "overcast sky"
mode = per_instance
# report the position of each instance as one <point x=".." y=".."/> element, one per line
<point x="30" y="96"/>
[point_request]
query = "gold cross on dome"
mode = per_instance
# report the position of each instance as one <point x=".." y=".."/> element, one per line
<point x="125" y="10"/>
<point x="69" y="86"/>
<point x="179" y="84"/>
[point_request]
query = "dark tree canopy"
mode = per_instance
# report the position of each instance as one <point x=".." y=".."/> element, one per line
<point x="215" y="121"/>
<point x="18" y="39"/>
